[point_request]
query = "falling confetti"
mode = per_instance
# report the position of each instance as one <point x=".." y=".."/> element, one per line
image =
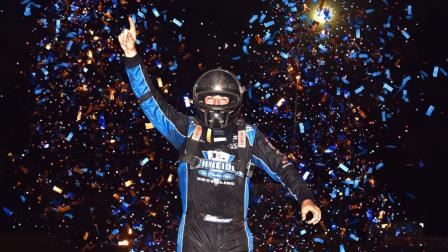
<point x="323" y="82"/>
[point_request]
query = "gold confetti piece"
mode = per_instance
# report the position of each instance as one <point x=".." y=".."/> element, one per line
<point x="159" y="82"/>
<point x="123" y="243"/>
<point x="57" y="189"/>
<point x="170" y="178"/>
<point x="130" y="231"/>
<point x="149" y="126"/>
<point x="129" y="183"/>
<point x="78" y="116"/>
<point x="280" y="102"/>
<point x="86" y="235"/>
<point x="152" y="213"/>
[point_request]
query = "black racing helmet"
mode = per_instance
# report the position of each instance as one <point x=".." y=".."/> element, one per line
<point x="217" y="82"/>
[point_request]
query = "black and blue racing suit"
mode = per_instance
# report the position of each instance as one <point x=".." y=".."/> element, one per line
<point x="214" y="193"/>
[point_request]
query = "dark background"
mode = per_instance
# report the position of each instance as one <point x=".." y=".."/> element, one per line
<point x="426" y="140"/>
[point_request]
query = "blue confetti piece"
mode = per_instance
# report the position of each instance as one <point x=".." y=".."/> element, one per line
<point x="318" y="240"/>
<point x="141" y="14"/>
<point x="383" y="116"/>
<point x="27" y="11"/>
<point x="245" y="49"/>
<point x="155" y="12"/>
<point x="7" y="211"/>
<point x="359" y="90"/>
<point x="302" y="232"/>
<point x="378" y="166"/>
<point x="115" y="231"/>
<point x="388" y="87"/>
<point x="177" y="22"/>
<point x="253" y="18"/>
<point x="405" y="34"/>
<point x="341" y="248"/>
<point x="358" y="33"/>
<point x="44" y="71"/>
<point x="69" y="215"/>
<point x="100" y="174"/>
<point x="347" y="191"/>
<point x="262" y="17"/>
<point x="289" y="28"/>
<point x="158" y="64"/>
<point x="22" y="198"/>
<point x="144" y="161"/>
<point x="375" y="74"/>
<point x="266" y="36"/>
<point x="404" y="82"/>
<point x="354" y="237"/>
<point x="322" y="48"/>
<point x="267" y="24"/>
<point x="430" y="110"/>
<point x="247" y="40"/>
<point x="284" y="55"/>
<point x="409" y="9"/>
<point x="302" y="128"/>
<point x="343" y="167"/>
<point x="435" y="71"/>
<point x="368" y="11"/>
<point x="405" y="93"/>
<point x="69" y="45"/>
<point x="58" y="25"/>
<point x="388" y="73"/>
<point x="69" y="195"/>
<point x="356" y="183"/>
<point x="334" y="193"/>
<point x="443" y="71"/>
<point x="363" y="56"/>
<point x="112" y="57"/>
<point x="348" y="182"/>
<point x="266" y="109"/>
<point x="102" y="122"/>
<point x="174" y="66"/>
<point x="69" y="137"/>
<point x="38" y="91"/>
<point x="266" y="85"/>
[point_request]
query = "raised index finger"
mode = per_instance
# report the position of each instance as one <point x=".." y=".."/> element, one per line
<point x="131" y="24"/>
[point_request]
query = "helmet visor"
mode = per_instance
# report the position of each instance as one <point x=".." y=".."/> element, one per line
<point x="234" y="100"/>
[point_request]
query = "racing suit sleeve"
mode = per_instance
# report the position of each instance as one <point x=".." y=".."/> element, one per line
<point x="279" y="168"/>
<point x="169" y="122"/>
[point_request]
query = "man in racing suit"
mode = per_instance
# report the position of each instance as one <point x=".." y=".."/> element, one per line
<point x="216" y="152"/>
